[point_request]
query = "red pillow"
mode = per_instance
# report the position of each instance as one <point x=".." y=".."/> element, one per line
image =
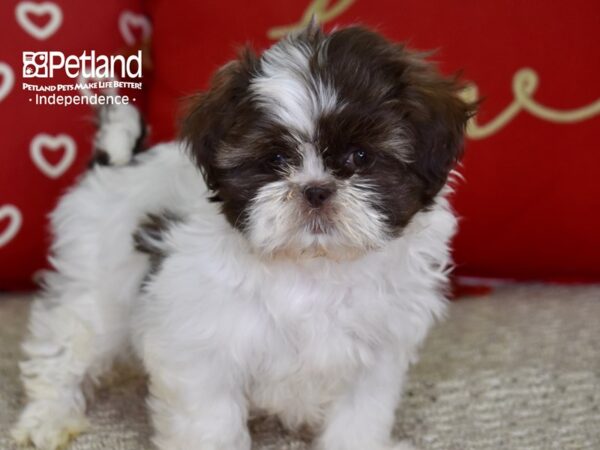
<point x="43" y="148"/>
<point x="531" y="200"/>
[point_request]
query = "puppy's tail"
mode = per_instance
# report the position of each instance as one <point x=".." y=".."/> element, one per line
<point x="120" y="135"/>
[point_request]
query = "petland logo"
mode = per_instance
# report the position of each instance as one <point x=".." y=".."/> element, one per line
<point x="45" y="64"/>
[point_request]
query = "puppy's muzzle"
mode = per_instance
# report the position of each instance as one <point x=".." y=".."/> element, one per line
<point x="317" y="195"/>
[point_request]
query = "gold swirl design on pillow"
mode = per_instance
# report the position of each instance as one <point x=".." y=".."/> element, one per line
<point x="524" y="84"/>
<point x="319" y="9"/>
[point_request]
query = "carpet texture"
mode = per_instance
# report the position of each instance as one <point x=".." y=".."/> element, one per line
<point x="519" y="369"/>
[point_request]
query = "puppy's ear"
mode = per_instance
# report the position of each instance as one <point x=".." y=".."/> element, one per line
<point x="312" y="32"/>
<point x="211" y="114"/>
<point x="438" y="116"/>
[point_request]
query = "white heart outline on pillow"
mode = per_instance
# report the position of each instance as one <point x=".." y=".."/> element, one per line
<point x="54" y="143"/>
<point x="128" y="18"/>
<point x="14" y="225"/>
<point x="8" y="80"/>
<point x="38" y="9"/>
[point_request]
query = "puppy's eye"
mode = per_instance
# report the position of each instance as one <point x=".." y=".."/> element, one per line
<point x="358" y="158"/>
<point x="278" y="160"/>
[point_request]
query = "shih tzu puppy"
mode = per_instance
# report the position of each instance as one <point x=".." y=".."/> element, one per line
<point x="295" y="273"/>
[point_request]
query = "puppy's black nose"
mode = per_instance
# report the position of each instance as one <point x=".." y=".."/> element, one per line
<point x="317" y="195"/>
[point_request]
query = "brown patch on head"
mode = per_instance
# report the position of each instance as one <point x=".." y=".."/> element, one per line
<point x="213" y="114"/>
<point x="396" y="128"/>
<point x="401" y="111"/>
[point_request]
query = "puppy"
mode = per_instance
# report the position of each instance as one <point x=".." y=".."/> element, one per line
<point x="296" y="277"/>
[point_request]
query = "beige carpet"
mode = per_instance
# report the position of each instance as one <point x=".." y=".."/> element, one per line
<point x="519" y="369"/>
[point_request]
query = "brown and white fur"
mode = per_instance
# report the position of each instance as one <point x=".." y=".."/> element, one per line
<point x="296" y="273"/>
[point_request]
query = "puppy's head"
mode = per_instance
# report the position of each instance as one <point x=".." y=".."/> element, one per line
<point x="326" y="144"/>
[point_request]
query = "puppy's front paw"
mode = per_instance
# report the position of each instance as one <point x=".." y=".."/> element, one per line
<point x="48" y="425"/>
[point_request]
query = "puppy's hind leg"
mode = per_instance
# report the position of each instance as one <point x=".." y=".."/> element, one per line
<point x="69" y="339"/>
<point x="82" y="320"/>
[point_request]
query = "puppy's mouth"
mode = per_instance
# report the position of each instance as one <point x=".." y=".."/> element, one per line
<point x="317" y="227"/>
<point x="319" y="222"/>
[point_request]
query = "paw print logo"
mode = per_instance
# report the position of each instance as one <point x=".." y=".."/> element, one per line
<point x="35" y="64"/>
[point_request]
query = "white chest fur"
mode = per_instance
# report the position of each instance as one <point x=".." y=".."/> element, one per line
<point x="297" y="332"/>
